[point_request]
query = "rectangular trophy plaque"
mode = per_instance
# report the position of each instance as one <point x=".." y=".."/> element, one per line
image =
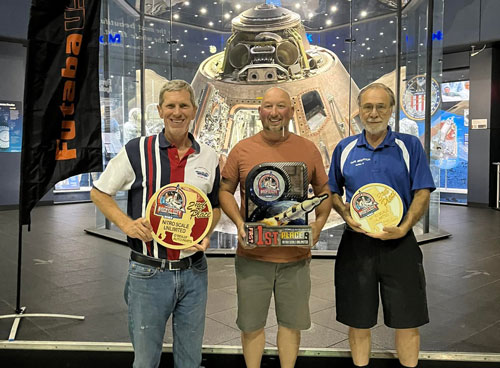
<point x="261" y="235"/>
<point x="276" y="205"/>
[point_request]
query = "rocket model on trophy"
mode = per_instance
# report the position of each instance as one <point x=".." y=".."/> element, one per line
<point x="269" y="47"/>
<point x="295" y="212"/>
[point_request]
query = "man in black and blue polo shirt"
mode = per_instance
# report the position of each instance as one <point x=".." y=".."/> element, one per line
<point x="390" y="260"/>
<point x="162" y="281"/>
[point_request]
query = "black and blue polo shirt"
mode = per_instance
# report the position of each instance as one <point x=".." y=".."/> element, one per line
<point x="399" y="162"/>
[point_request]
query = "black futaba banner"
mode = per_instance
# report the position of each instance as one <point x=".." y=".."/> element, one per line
<point x="62" y="121"/>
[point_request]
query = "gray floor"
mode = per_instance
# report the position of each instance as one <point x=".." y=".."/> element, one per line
<point x="68" y="271"/>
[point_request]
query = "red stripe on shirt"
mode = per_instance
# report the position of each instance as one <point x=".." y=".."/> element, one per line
<point x="177" y="168"/>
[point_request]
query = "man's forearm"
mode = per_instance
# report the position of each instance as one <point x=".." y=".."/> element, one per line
<point x="110" y="209"/>
<point x="417" y="208"/>
<point x="324" y="209"/>
<point x="339" y="206"/>
<point x="230" y="207"/>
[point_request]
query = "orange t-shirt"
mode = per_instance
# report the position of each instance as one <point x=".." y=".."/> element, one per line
<point x="255" y="150"/>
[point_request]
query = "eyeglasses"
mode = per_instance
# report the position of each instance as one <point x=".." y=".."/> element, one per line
<point x="381" y="108"/>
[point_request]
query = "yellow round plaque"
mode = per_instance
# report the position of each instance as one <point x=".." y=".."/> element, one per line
<point x="376" y="205"/>
<point x="180" y="215"/>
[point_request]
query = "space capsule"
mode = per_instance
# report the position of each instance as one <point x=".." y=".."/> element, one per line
<point x="268" y="47"/>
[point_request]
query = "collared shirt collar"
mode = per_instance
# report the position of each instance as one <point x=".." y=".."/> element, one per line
<point x="166" y="144"/>
<point x="388" y="140"/>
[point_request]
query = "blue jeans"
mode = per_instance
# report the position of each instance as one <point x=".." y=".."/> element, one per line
<point x="152" y="295"/>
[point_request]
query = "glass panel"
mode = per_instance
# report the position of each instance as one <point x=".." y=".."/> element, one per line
<point x="119" y="71"/>
<point x="414" y="62"/>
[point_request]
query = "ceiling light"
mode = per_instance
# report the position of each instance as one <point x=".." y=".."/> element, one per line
<point x="328" y="22"/>
<point x="363" y="14"/>
<point x="176" y="16"/>
<point x="297" y="5"/>
<point x="203" y="10"/>
<point x="333" y="9"/>
<point x="186" y="3"/>
<point x="238" y="6"/>
<point x="227" y="16"/>
<point x="211" y="24"/>
<point x="381" y="33"/>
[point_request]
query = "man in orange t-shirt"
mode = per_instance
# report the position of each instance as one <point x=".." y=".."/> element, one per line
<point x="284" y="271"/>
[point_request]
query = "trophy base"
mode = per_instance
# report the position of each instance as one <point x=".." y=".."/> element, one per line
<point x="261" y="235"/>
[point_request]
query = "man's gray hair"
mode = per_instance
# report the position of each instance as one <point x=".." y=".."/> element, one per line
<point x="389" y="92"/>
<point x="177" y="85"/>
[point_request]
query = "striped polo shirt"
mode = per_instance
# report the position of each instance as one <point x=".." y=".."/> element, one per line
<point x="144" y="165"/>
<point x="399" y="162"/>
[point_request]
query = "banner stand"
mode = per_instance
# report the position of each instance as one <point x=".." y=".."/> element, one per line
<point x="62" y="119"/>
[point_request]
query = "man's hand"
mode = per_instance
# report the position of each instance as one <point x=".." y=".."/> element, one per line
<point x="346" y="215"/>
<point x="139" y="229"/>
<point x="201" y="246"/>
<point x="388" y="233"/>
<point x="316" y="232"/>
<point x="242" y="237"/>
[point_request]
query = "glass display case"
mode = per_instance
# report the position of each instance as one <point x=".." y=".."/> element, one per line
<point x="322" y="52"/>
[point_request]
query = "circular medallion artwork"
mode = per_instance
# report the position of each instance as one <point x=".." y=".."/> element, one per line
<point x="413" y="98"/>
<point x="180" y="215"/>
<point x="376" y="205"/>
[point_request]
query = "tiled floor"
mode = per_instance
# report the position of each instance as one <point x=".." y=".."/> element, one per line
<point x="68" y="271"/>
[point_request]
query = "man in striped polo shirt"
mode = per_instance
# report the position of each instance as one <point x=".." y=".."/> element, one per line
<point x="162" y="281"/>
<point x="389" y="261"/>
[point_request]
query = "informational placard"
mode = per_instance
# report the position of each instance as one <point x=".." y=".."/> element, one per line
<point x="479" y="123"/>
<point x="11" y="126"/>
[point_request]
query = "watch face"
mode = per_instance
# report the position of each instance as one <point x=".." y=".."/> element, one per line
<point x="376" y="205"/>
<point x="413" y="98"/>
<point x="180" y="215"/>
